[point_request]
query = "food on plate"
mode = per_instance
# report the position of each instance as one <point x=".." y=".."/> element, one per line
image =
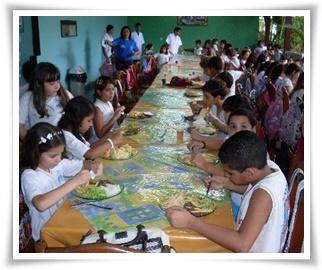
<point x="193" y="93"/>
<point x="140" y="115"/>
<point x="206" y="130"/>
<point x="98" y="192"/>
<point x="197" y="204"/>
<point x="130" y="129"/>
<point x="124" y="152"/>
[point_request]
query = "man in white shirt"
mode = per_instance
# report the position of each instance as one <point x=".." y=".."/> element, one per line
<point x="138" y="38"/>
<point x="107" y="42"/>
<point x="174" y="40"/>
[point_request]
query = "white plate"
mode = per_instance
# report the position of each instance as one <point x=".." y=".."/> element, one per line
<point x="148" y="113"/>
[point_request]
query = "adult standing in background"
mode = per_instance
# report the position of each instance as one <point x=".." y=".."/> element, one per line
<point x="107" y="43"/>
<point x="174" y="40"/>
<point x="124" y="48"/>
<point x="138" y="38"/>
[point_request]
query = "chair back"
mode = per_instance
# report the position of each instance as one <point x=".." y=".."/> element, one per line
<point x="294" y="240"/>
<point x="295" y="179"/>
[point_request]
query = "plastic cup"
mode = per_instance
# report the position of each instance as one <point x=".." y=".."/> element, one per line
<point x="180" y="136"/>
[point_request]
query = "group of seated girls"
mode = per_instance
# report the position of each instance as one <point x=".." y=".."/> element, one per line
<point x="55" y="129"/>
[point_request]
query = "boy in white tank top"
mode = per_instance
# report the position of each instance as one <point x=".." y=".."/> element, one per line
<point x="263" y="216"/>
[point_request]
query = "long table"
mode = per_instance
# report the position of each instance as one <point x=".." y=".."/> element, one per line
<point x="155" y="171"/>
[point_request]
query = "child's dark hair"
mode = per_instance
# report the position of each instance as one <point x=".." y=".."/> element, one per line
<point x="138" y="24"/>
<point x="176" y="29"/>
<point x="243" y="150"/>
<point x="276" y="72"/>
<point x="27" y="70"/>
<point x="148" y="47"/>
<point x="215" y="63"/>
<point x="204" y="62"/>
<point x="163" y="46"/>
<point x="39" y="139"/>
<point x="216" y="88"/>
<point x="198" y="41"/>
<point x="75" y="111"/>
<point x="292" y="68"/>
<point x="235" y="102"/>
<point x="109" y="27"/>
<point x="100" y="84"/>
<point x="45" y="72"/>
<point x="244" y="112"/>
<point x="227" y="78"/>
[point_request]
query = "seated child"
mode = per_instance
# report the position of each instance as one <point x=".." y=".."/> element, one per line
<point x="44" y="175"/>
<point x="197" y="49"/>
<point x="75" y="123"/>
<point x="163" y="57"/>
<point x="213" y="143"/>
<point x="263" y="215"/>
<point x="214" y="93"/>
<point x="238" y="120"/>
<point x="105" y="116"/>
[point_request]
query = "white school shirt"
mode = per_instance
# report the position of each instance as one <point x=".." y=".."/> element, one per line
<point x="28" y="115"/>
<point x="37" y="182"/>
<point x="174" y="43"/>
<point x="273" y="233"/>
<point x="107" y="48"/>
<point x="282" y="82"/>
<point x="236" y="75"/>
<point x="162" y="59"/>
<point x="75" y="148"/>
<point x="138" y="38"/>
<point x="197" y="51"/>
<point x="106" y="109"/>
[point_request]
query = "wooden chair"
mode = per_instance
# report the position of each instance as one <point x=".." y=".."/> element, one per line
<point x="41" y="247"/>
<point x="294" y="240"/>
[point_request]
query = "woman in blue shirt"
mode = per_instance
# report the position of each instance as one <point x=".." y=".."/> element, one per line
<point x="124" y="49"/>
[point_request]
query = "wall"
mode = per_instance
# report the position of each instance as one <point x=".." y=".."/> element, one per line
<point x="84" y="49"/>
<point x="25" y="45"/>
<point x="239" y="31"/>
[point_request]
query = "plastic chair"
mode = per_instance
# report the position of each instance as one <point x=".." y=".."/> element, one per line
<point x="294" y="240"/>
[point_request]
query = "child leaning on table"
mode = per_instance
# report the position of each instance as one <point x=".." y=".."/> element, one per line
<point x="45" y="174"/>
<point x="263" y="216"/>
<point x="76" y="124"/>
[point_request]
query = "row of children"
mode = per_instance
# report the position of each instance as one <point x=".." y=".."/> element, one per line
<point x="259" y="188"/>
<point x="55" y="151"/>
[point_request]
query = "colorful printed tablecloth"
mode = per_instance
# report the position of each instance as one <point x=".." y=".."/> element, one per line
<point x="154" y="173"/>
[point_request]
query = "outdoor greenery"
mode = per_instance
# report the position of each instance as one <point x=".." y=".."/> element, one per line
<point x="277" y="31"/>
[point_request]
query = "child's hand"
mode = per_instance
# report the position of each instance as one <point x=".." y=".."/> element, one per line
<point x="118" y="112"/>
<point x="212" y="117"/>
<point x="97" y="168"/>
<point x="198" y="160"/>
<point x="195" y="135"/>
<point x="195" y="145"/>
<point x="195" y="107"/>
<point x="83" y="177"/>
<point x="117" y="137"/>
<point x="179" y="217"/>
<point x="217" y="182"/>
